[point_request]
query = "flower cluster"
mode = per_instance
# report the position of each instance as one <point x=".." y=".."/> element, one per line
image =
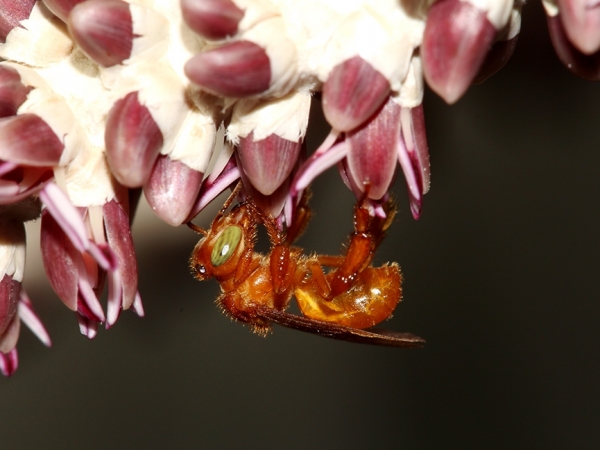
<point x="101" y="99"/>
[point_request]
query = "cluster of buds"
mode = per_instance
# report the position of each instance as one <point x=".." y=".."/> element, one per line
<point x="103" y="99"/>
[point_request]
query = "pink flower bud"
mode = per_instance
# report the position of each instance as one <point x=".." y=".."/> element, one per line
<point x="103" y="29"/>
<point x="27" y="139"/>
<point x="352" y="93"/>
<point x="373" y="151"/>
<point x="267" y="162"/>
<point x="456" y="39"/>
<point x="238" y="69"/>
<point x="172" y="190"/>
<point x="581" y="22"/>
<point x="585" y="66"/>
<point x="133" y="141"/>
<point x="213" y="19"/>
<point x="9" y="300"/>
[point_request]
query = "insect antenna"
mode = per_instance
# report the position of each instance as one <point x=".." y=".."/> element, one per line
<point x="196" y="228"/>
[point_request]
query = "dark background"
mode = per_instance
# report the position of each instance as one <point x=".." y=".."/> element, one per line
<point x="501" y="278"/>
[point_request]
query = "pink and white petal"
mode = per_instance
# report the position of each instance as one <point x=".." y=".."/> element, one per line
<point x="13" y="93"/>
<point x="12" y="193"/>
<point x="87" y="327"/>
<point x="9" y="300"/>
<point x="273" y="204"/>
<point x="133" y="141"/>
<point x="267" y="162"/>
<point x="115" y="299"/>
<point x="11" y="13"/>
<point x="413" y="179"/>
<point x="87" y="302"/>
<point x="30" y="318"/>
<point x="581" y="22"/>
<point x="237" y="69"/>
<point x="27" y="139"/>
<point x="9" y="362"/>
<point x="372" y="151"/>
<point x="415" y="140"/>
<point x="582" y="65"/>
<point x="58" y="256"/>
<point x="317" y="163"/>
<point x="456" y="39"/>
<point x="213" y="186"/>
<point x="212" y="19"/>
<point x="69" y="219"/>
<point x="137" y="306"/>
<point x="172" y="190"/>
<point x="103" y="29"/>
<point x="354" y="90"/>
<point x="8" y="340"/>
<point x="118" y="234"/>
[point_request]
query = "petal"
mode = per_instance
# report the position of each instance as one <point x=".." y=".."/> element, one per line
<point x="9" y="362"/>
<point x="71" y="222"/>
<point x="27" y="139"/>
<point x="329" y="153"/>
<point x="103" y="29"/>
<point x="22" y="182"/>
<point x="213" y="19"/>
<point x="9" y="300"/>
<point x="581" y="22"/>
<point x="8" y="340"/>
<point x="372" y="151"/>
<point x="216" y="183"/>
<point x="456" y="39"/>
<point x="58" y="256"/>
<point x="137" y="306"/>
<point x="12" y="92"/>
<point x="354" y="90"/>
<point x="267" y="162"/>
<point x="413" y="180"/>
<point x="118" y="234"/>
<point x="61" y="8"/>
<point x="415" y="140"/>
<point x="30" y="318"/>
<point x="133" y="141"/>
<point x="87" y="327"/>
<point x="11" y="13"/>
<point x="172" y="190"/>
<point x="585" y="66"/>
<point x="238" y="69"/>
<point x="115" y="299"/>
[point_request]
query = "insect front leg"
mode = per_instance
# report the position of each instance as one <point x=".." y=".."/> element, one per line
<point x="369" y="230"/>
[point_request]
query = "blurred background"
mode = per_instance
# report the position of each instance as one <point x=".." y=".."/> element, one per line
<point x="502" y="278"/>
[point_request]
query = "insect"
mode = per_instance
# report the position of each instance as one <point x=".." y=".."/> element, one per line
<point x="257" y="288"/>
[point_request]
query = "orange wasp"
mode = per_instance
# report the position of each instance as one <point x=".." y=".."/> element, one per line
<point x="258" y="288"/>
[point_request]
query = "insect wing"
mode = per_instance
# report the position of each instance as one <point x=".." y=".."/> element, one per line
<point x="330" y="330"/>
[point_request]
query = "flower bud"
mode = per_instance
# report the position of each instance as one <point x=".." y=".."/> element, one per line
<point x="103" y="29"/>
<point x="213" y="19"/>
<point x="352" y="93"/>
<point x="133" y="141"/>
<point x="238" y="69"/>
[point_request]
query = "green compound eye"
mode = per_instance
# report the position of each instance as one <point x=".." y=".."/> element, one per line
<point x="226" y="244"/>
